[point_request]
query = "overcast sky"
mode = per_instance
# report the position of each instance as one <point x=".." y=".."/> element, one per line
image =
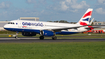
<point x="51" y="10"/>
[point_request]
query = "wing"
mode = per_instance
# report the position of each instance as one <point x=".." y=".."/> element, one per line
<point x="63" y="28"/>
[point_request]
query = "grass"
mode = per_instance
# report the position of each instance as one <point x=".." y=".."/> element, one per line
<point x="64" y="50"/>
<point x="54" y="50"/>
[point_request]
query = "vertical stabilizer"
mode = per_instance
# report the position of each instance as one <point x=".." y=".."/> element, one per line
<point x="86" y="18"/>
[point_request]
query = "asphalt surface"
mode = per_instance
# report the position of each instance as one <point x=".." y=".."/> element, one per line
<point x="33" y="39"/>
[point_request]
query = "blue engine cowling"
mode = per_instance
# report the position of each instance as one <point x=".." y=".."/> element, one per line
<point x="48" y="33"/>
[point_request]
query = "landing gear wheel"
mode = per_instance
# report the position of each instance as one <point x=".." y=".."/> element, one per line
<point x="16" y="37"/>
<point x="54" y="38"/>
<point x="41" y="37"/>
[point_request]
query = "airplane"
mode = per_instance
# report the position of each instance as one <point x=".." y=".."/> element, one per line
<point x="31" y="28"/>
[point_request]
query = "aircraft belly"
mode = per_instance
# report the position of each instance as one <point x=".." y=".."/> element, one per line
<point x="66" y="32"/>
<point x="23" y="30"/>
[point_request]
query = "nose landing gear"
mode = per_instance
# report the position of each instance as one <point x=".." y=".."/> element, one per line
<point x="16" y="35"/>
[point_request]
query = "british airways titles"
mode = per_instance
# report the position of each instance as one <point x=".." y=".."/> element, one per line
<point x="32" y="24"/>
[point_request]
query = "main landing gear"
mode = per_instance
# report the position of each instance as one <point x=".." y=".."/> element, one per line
<point x="54" y="38"/>
<point x="42" y="37"/>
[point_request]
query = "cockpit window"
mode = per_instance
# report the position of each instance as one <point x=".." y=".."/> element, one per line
<point x="11" y="23"/>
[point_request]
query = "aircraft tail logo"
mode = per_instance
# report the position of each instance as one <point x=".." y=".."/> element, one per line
<point x="85" y="20"/>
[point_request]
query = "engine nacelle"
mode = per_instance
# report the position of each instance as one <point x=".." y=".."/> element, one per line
<point x="28" y="33"/>
<point x="48" y="33"/>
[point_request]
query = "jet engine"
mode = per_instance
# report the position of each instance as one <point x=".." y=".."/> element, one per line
<point x="48" y="33"/>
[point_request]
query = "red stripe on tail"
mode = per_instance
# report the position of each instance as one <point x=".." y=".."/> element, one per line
<point x="87" y="14"/>
<point x="83" y="23"/>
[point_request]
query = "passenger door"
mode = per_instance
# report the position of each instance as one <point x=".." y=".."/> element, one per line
<point x="19" y="25"/>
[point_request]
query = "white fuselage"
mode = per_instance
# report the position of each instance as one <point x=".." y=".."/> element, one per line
<point x="38" y="25"/>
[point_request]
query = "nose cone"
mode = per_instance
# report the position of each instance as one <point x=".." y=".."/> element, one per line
<point x="5" y="26"/>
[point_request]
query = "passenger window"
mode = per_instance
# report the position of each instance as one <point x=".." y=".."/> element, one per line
<point x="11" y="23"/>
